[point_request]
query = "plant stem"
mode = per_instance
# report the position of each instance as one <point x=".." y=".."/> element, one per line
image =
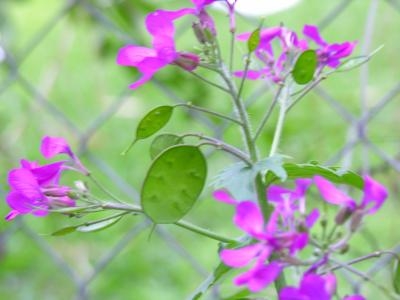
<point x="184" y="224"/>
<point x="268" y="114"/>
<point x="102" y="188"/>
<point x="203" y="231"/>
<point x="221" y="145"/>
<point x="205" y="110"/>
<point x="375" y="254"/>
<point x="209" y="82"/>
<point x="305" y="92"/>
<point x="279" y="124"/>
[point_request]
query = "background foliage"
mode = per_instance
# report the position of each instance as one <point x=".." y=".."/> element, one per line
<point x="59" y="77"/>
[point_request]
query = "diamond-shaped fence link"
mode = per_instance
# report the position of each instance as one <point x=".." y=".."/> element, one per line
<point x="27" y="98"/>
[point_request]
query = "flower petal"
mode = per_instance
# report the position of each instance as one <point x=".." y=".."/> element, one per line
<point x="23" y="182"/>
<point x="52" y="146"/>
<point x="374" y="193"/>
<point x="19" y="203"/>
<point x="132" y="55"/>
<point x="259" y="278"/>
<point x="240" y="257"/>
<point x="332" y="194"/>
<point x="314" y="286"/>
<point x="225" y="197"/>
<point x="12" y="214"/>
<point x="249" y="218"/>
<point x="312" y="32"/>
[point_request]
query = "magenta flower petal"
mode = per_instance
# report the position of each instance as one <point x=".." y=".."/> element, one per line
<point x="132" y="55"/>
<point x="19" y="203"/>
<point x="241" y="257"/>
<point x="52" y="146"/>
<point x="332" y="194"/>
<point x="48" y="173"/>
<point x="314" y="286"/>
<point x="291" y="293"/>
<point x="223" y="196"/>
<point x="249" y="218"/>
<point x="160" y="22"/>
<point x="250" y="74"/>
<point x="374" y="193"/>
<point x="24" y="183"/>
<point x="259" y="278"/>
<point x="312" y="218"/>
<point x="312" y="32"/>
<point x="12" y="214"/>
<point x="354" y="297"/>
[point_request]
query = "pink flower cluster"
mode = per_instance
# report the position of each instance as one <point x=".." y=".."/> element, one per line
<point x="35" y="188"/>
<point x="276" y="243"/>
<point x="276" y="66"/>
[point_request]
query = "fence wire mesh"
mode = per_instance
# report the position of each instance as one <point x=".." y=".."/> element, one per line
<point x="58" y="77"/>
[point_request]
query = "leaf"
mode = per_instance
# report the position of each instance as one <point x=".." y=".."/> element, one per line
<point x="152" y="122"/>
<point x="333" y="174"/>
<point x="304" y="68"/>
<point x="355" y="62"/>
<point x="254" y="40"/>
<point x="240" y="295"/>
<point x="173" y="183"/>
<point x="239" y="178"/>
<point x="162" y="142"/>
<point x="219" y="271"/>
<point x="100" y="225"/>
<point x="64" y="231"/>
<point x="396" y="277"/>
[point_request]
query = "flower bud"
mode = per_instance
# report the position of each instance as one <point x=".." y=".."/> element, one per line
<point x="356" y="220"/>
<point x="343" y="215"/>
<point x="187" y="61"/>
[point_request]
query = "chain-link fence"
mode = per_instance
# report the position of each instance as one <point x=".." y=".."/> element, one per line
<point x="58" y="77"/>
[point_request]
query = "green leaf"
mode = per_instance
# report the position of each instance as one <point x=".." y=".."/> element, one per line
<point x="162" y="142"/>
<point x="240" y="295"/>
<point x="239" y="178"/>
<point x="396" y="278"/>
<point x="219" y="271"/>
<point x="100" y="225"/>
<point x="304" y="68"/>
<point x="333" y="174"/>
<point x="64" y="231"/>
<point x="151" y="123"/>
<point x="173" y="183"/>
<point x="254" y="40"/>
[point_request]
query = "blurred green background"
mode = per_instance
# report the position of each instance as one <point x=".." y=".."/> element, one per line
<point x="59" y="77"/>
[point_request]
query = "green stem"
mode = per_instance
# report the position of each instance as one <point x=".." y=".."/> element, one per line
<point x="305" y="92"/>
<point x="209" y="82"/>
<point x="203" y="231"/>
<point x="232" y="51"/>
<point x="102" y="188"/>
<point x="205" y="110"/>
<point x="221" y="145"/>
<point x="279" y="125"/>
<point x="268" y="114"/>
<point x="184" y="224"/>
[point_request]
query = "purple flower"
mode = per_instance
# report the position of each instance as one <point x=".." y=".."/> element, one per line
<point x="312" y="287"/>
<point x="328" y="54"/>
<point x="274" y="64"/>
<point x="150" y="60"/>
<point x="34" y="188"/>
<point x="279" y="235"/>
<point x="374" y="196"/>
